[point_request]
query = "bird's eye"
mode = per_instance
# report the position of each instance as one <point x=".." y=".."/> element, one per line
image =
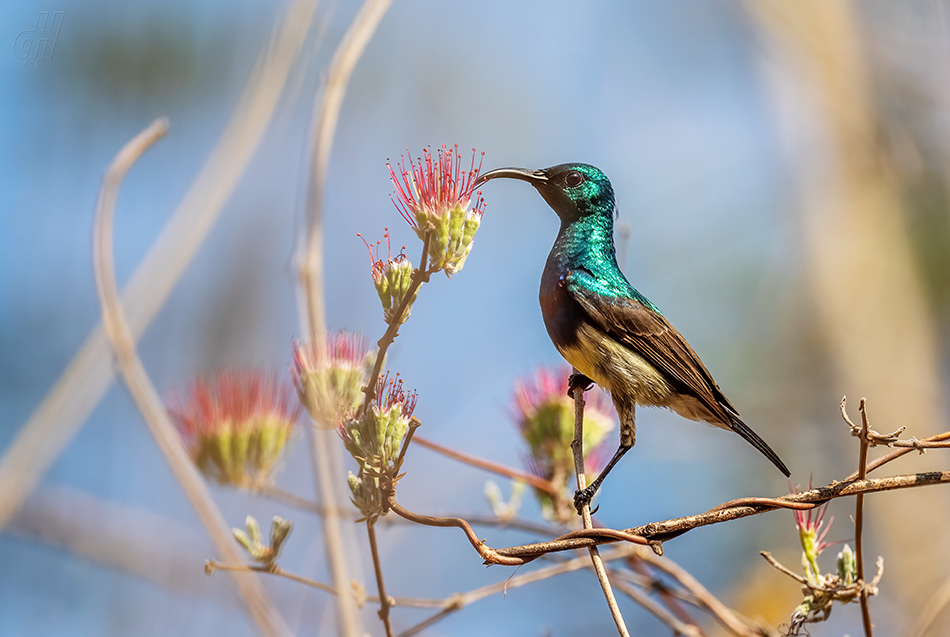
<point x="574" y="178"/>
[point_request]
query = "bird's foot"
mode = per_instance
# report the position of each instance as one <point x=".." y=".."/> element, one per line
<point x="583" y="497"/>
<point x="575" y="381"/>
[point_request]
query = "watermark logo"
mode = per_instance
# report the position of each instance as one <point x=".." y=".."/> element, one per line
<point x="35" y="47"/>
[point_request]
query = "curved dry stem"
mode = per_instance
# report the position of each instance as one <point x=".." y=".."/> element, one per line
<point x="84" y="381"/>
<point x="488" y="554"/>
<point x="143" y="392"/>
<point x="933" y="442"/>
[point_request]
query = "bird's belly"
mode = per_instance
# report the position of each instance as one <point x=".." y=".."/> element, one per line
<point x="617" y="369"/>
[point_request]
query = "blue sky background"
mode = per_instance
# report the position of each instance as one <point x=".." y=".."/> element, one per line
<point x="666" y="97"/>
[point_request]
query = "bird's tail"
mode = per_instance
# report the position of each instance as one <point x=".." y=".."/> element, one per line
<point x="753" y="438"/>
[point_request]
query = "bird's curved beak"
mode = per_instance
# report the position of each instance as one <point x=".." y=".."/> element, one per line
<point x="533" y="177"/>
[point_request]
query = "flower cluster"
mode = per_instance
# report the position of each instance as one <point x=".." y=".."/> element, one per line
<point x="236" y="425"/>
<point x="435" y="197"/>
<point x="821" y="590"/>
<point x="330" y="382"/>
<point x="545" y="417"/>
<point x="253" y="541"/>
<point x="392" y="279"/>
<point x="375" y="441"/>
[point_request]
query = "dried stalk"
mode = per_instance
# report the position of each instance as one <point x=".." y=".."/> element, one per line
<point x="384" y="601"/>
<point x="326" y="114"/>
<point x="143" y="392"/>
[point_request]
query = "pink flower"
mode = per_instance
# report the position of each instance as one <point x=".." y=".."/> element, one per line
<point x="331" y="388"/>
<point x="236" y="424"/>
<point x="435" y="197"/>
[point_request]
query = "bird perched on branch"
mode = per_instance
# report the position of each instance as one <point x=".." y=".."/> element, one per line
<point x="612" y="334"/>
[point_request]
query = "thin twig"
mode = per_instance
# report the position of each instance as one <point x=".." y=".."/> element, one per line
<point x="408" y="602"/>
<point x="488" y="465"/>
<point x="84" y="381"/>
<point x="940" y="440"/>
<point x="144" y="393"/>
<point x="859" y="517"/>
<point x="305" y="504"/>
<point x="673" y="599"/>
<point x="211" y="566"/>
<point x="577" y="446"/>
<point x="384" y="602"/>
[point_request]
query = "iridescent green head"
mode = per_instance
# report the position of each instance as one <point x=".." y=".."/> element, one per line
<point x="574" y="191"/>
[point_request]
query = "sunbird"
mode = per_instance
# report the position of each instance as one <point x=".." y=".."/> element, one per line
<point x="613" y="335"/>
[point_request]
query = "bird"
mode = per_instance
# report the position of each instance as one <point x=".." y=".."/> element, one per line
<point x="607" y="330"/>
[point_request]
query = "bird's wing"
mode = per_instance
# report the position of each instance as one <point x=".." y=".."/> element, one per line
<point x="649" y="334"/>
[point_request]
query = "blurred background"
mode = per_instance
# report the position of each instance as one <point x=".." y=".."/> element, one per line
<point x="783" y="170"/>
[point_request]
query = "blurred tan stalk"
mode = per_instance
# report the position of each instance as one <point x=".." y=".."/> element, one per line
<point x="326" y="452"/>
<point x="868" y="300"/>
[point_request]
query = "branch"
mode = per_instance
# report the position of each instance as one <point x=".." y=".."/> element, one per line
<point x="384" y="601"/>
<point x="655" y="532"/>
<point x="488" y="465"/>
<point x="144" y="393"/>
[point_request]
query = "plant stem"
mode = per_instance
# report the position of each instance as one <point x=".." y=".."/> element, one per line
<point x="384" y="603"/>
<point x="577" y="446"/>
<point x="859" y="518"/>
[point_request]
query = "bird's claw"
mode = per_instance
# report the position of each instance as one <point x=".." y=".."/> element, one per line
<point x="582" y="498"/>
<point x="575" y="381"/>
